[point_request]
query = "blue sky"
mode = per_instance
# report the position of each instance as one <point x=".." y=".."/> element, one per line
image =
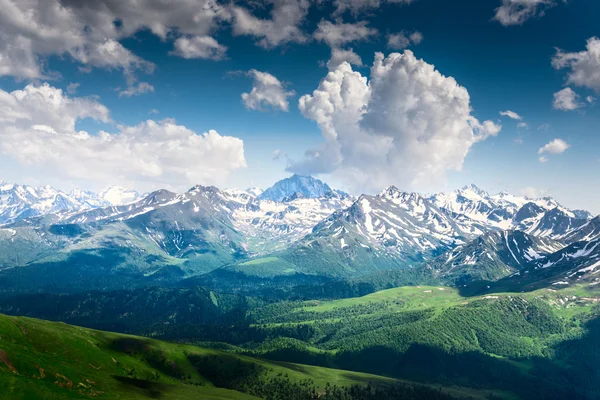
<point x="503" y="64"/>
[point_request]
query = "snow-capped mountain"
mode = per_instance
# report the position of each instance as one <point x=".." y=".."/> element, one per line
<point x="23" y="201"/>
<point x="254" y="191"/>
<point x="391" y="230"/>
<point x="539" y="217"/>
<point x="491" y="256"/>
<point x="312" y="230"/>
<point x="271" y="225"/>
<point x="575" y="264"/>
<point x="307" y="186"/>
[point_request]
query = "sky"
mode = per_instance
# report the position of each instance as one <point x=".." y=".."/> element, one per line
<point x="427" y="95"/>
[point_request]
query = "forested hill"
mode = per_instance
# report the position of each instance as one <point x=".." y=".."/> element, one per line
<point x="51" y="361"/>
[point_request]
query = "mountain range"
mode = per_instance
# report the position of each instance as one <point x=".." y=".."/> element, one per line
<point x="297" y="229"/>
<point x="24" y="201"/>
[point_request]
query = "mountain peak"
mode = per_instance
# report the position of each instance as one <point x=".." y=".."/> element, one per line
<point x="389" y="190"/>
<point x="308" y="186"/>
<point x="392" y="192"/>
<point x="472" y="188"/>
<point x="254" y="191"/>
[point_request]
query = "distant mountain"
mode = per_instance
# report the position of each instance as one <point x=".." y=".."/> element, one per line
<point x="60" y="241"/>
<point x="557" y="223"/>
<point x="578" y="263"/>
<point x="269" y="226"/>
<point x="539" y="217"/>
<point x="491" y="256"/>
<point x="394" y="229"/>
<point x="24" y="201"/>
<point x="587" y="232"/>
<point x="307" y="186"/>
<point x="164" y="236"/>
<point x="254" y="191"/>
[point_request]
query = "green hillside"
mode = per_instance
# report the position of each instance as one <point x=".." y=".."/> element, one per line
<point x="50" y="360"/>
<point x="537" y="345"/>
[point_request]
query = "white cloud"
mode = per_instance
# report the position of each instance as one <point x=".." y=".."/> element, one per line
<point x="408" y="125"/>
<point x="32" y="30"/>
<point x="340" y="34"/>
<point x="534" y="193"/>
<point x="339" y="56"/>
<point x="557" y="146"/>
<point x="137" y="89"/>
<point x="566" y="100"/>
<point x="590" y="99"/>
<point x="153" y="111"/>
<point x="38" y="133"/>
<point x="511" y="115"/>
<point x="516" y="12"/>
<point x="401" y="40"/>
<point x="277" y="154"/>
<point x="584" y="66"/>
<point x="72" y="87"/>
<point x="522" y="125"/>
<point x="205" y="47"/>
<point x="267" y="92"/>
<point x="336" y="35"/>
<point x="357" y="6"/>
<point x="283" y="26"/>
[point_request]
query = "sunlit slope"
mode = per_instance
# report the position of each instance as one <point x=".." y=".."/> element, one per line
<point x="49" y="360"/>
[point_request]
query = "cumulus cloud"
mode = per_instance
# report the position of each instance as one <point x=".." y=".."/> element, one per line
<point x="339" y="56"/>
<point x="566" y="100"/>
<point x="283" y="27"/>
<point x="267" y="92"/>
<point x="402" y="40"/>
<point x="516" y="12"/>
<point x="511" y="115"/>
<point x="137" y="89"/>
<point x="38" y="131"/>
<point x="33" y="30"/>
<point x="408" y="125"/>
<point x="205" y="47"/>
<point x="583" y="66"/>
<point x="339" y="34"/>
<point x="557" y="146"/>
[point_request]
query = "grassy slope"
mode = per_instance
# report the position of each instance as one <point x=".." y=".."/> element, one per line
<point x="50" y="360"/>
<point x="440" y="297"/>
<point x="449" y="322"/>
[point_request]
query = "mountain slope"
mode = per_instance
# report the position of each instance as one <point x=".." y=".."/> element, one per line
<point x="307" y="186"/>
<point x="491" y="256"/>
<point x="22" y="201"/>
<point x="392" y="230"/>
<point x="49" y="360"/>
<point x="543" y="217"/>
